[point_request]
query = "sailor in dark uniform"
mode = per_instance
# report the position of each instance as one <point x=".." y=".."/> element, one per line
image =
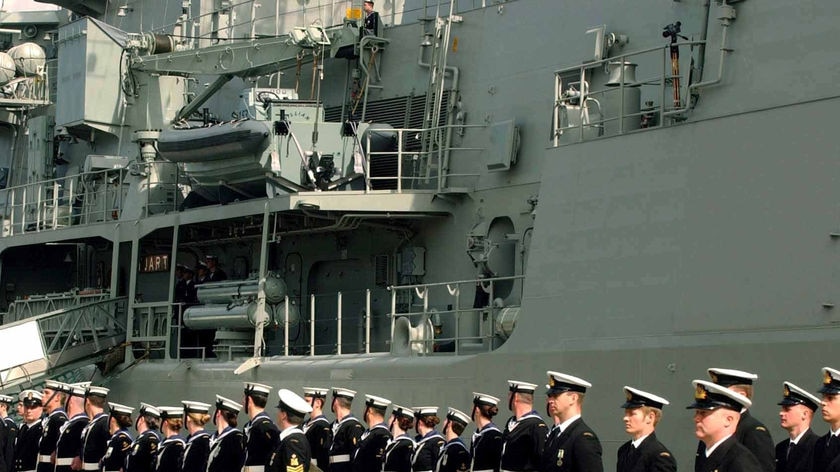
<point x="454" y="457"/>
<point x="172" y="448"/>
<point x="644" y="452"/>
<point x="260" y="431"/>
<point x="144" y="449"/>
<point x="9" y="428"/>
<point x="370" y="452"/>
<point x="198" y="443"/>
<point x="214" y="273"/>
<point x="26" y="450"/>
<point x="371" y="27"/>
<point x="486" y="446"/>
<point x="227" y="444"/>
<point x="347" y="430"/>
<point x="428" y="442"/>
<point x="317" y="429"/>
<point x="796" y="453"/>
<point x="524" y="436"/>
<point x="827" y="449"/>
<point x="399" y="450"/>
<point x="571" y="445"/>
<point x="292" y="453"/>
<point x="717" y="411"/>
<point x="55" y="396"/>
<point x="120" y="442"/>
<point x="68" y="448"/>
<point x="96" y="433"/>
<point x="751" y="432"/>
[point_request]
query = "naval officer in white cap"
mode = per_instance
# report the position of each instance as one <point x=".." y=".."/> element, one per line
<point x="317" y="428"/>
<point x="96" y="434"/>
<point x="370" y="453"/>
<point x="454" y="457"/>
<point x="172" y="448"/>
<point x="227" y="444"/>
<point x="68" y="448"/>
<point x="751" y="432"/>
<point x="399" y="450"/>
<point x="486" y="445"/>
<point x="523" y="439"/>
<point x="293" y="453"/>
<point x="644" y="452"/>
<point x="9" y="429"/>
<point x="571" y="445"/>
<point x="260" y="431"/>
<point x="54" y="397"/>
<point x="120" y="443"/>
<point x="196" y="415"/>
<point x="827" y="451"/>
<point x="347" y="430"/>
<point x="796" y="453"/>
<point x="429" y="441"/>
<point x="145" y="445"/>
<point x="717" y="411"/>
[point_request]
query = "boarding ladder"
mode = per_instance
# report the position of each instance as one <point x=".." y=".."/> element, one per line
<point x="56" y="343"/>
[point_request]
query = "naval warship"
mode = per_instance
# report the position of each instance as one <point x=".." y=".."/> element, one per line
<point x="474" y="191"/>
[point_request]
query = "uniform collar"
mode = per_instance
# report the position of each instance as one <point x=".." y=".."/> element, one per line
<point x="637" y="442"/>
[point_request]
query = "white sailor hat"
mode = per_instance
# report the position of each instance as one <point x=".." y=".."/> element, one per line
<point x="378" y="403"/>
<point x="315" y="392"/>
<point x="195" y="407"/>
<point x="517" y="386"/>
<point x="559" y="382"/>
<point x="292" y="402"/>
<point x="95" y="391"/>
<point x="223" y="403"/>
<point x="168" y="412"/>
<point x="793" y="395"/>
<point x="637" y="398"/>
<point x="402" y="411"/>
<point x="831" y="381"/>
<point x="457" y="416"/>
<point x="730" y="377"/>
<point x="343" y="392"/>
<point x="253" y="388"/>
<point x="6" y="399"/>
<point x="148" y="410"/>
<point x="31" y="397"/>
<point x="711" y="396"/>
<point x="79" y="389"/>
<point x="116" y="408"/>
<point x="484" y="399"/>
<point x="57" y="386"/>
<point x="425" y="411"/>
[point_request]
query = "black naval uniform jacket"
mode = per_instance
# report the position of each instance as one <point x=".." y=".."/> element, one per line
<point x="227" y="451"/>
<point x="51" y="429"/>
<point x="826" y="450"/>
<point x="319" y="435"/>
<point x="486" y="449"/>
<point x="426" y="452"/>
<point x="370" y="453"/>
<point x="292" y="453"/>
<point x="729" y="456"/>
<point x="118" y="447"/>
<point x="346" y="434"/>
<point x="523" y="442"/>
<point x="754" y="435"/>
<point x="196" y="452"/>
<point x="398" y="454"/>
<point x="262" y="436"/>
<point x="95" y="439"/>
<point x="26" y="449"/>
<point x="800" y="457"/>
<point x="454" y="457"/>
<point x="69" y="445"/>
<point x="650" y="456"/>
<point x="576" y="449"/>
<point x="10" y="432"/>
<point x="170" y="454"/>
<point x="143" y="452"/>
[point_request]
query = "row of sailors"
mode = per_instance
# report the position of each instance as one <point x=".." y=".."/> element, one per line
<point x="77" y="434"/>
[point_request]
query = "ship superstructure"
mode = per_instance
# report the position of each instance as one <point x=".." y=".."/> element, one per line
<point x="482" y="191"/>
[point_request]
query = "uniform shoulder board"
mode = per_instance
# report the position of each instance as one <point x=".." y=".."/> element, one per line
<point x="124" y="444"/>
<point x="664" y="454"/>
<point x="760" y="428"/>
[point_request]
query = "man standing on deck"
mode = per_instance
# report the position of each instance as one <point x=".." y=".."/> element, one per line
<point x="347" y="430"/>
<point x="796" y="454"/>
<point x="317" y="429"/>
<point x="751" y="432"/>
<point x="96" y="434"/>
<point x="214" y="273"/>
<point x="26" y="449"/>
<point x="69" y="446"/>
<point x="370" y="452"/>
<point x="644" y="452"/>
<point x="261" y="434"/>
<point x="371" y="27"/>
<point x="55" y="396"/>
<point x="524" y="437"/>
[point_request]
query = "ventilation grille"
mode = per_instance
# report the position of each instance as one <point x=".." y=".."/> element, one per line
<point x="382" y="270"/>
<point x="399" y="112"/>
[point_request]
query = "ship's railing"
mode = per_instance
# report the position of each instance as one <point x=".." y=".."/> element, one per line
<point x="50" y="343"/>
<point x="35" y="305"/>
<point x="605" y="98"/>
<point x="89" y="197"/>
<point x="412" y="166"/>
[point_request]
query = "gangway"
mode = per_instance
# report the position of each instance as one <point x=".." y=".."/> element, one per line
<point x="60" y="341"/>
